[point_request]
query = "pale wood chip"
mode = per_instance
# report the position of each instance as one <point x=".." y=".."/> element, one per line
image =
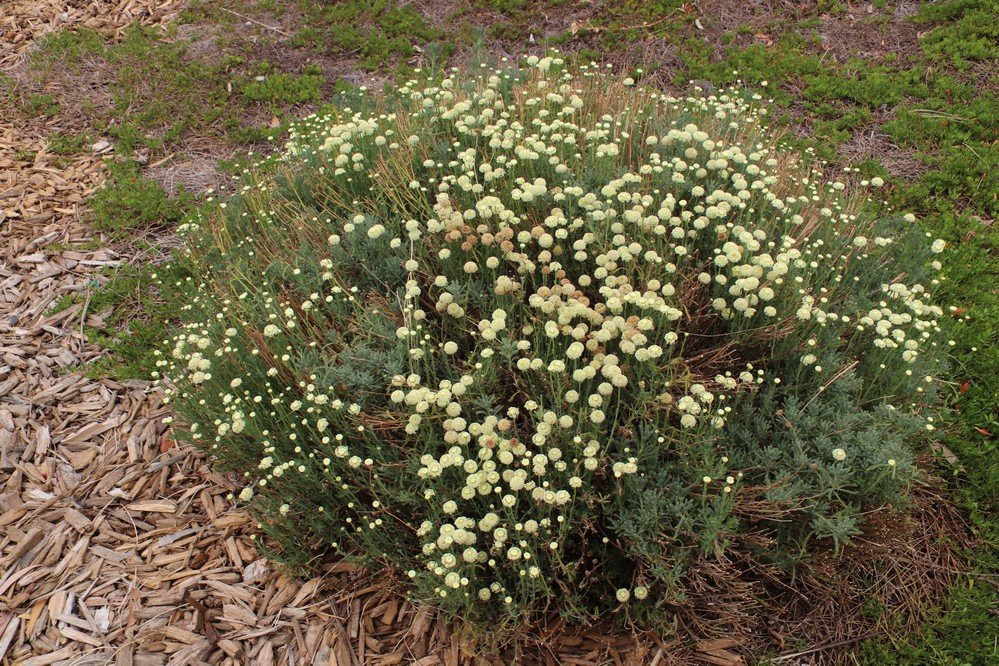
<point x="158" y="506"/>
<point x="79" y="636"/>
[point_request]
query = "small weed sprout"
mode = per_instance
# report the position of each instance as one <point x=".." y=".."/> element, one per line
<point x="540" y="339"/>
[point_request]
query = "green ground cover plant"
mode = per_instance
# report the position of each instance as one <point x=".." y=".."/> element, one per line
<point x="287" y="88"/>
<point x="545" y="342"/>
<point x="129" y="202"/>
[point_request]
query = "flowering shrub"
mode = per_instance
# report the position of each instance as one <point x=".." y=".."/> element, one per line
<point x="540" y="340"/>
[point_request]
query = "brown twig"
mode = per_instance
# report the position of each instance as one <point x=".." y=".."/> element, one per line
<point x="263" y="25"/>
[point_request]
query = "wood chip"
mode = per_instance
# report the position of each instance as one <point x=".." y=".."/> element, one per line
<point x="160" y="506"/>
